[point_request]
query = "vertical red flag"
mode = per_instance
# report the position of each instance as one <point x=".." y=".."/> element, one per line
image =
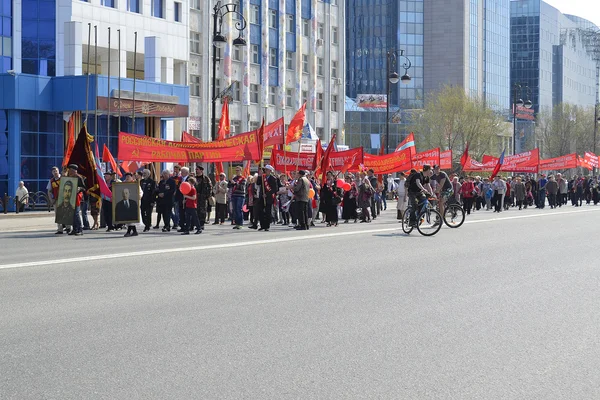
<point x="465" y="157"/>
<point x="224" y="123"/>
<point x="70" y="141"/>
<point x="326" y="156"/>
<point x="498" y="166"/>
<point x="261" y="141"/>
<point x="187" y="138"/>
<point x="409" y="142"/>
<point x="107" y="157"/>
<point x="318" y="158"/>
<point x="246" y="172"/>
<point x="294" y="132"/>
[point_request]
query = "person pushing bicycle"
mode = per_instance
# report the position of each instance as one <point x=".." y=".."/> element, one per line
<point x="418" y="187"/>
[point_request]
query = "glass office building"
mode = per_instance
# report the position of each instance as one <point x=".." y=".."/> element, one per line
<point x="373" y="28"/>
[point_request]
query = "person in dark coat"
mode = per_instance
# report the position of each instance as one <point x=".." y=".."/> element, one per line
<point x="203" y="192"/>
<point x="165" y="194"/>
<point x="331" y="197"/>
<point x="350" y="205"/>
<point x="148" y="187"/>
<point x="268" y="188"/>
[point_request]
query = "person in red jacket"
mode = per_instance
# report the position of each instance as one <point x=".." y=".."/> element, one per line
<point x="190" y="204"/>
<point x="468" y="193"/>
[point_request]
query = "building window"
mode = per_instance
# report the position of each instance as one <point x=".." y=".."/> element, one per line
<point x="254" y="14"/>
<point x="320" y="31"/>
<point x="273" y="19"/>
<point x="195" y="85"/>
<point x="334" y="132"/>
<point x="334" y="2"/>
<point x="291" y="27"/>
<point x="334" y="103"/>
<point x="237" y="93"/>
<point x="236" y="126"/>
<point x="289" y="60"/>
<point x="237" y="53"/>
<point x="196" y="4"/>
<point x="334" y="35"/>
<point x="157" y="8"/>
<point x="255" y="54"/>
<point x="288" y="97"/>
<point x="108" y="3"/>
<point x="253" y="93"/>
<point x="177" y="12"/>
<point x="254" y="125"/>
<point x="320" y="132"/>
<point x="272" y="95"/>
<point x="305" y="63"/>
<point x="272" y="57"/>
<point x="334" y="68"/>
<point x="304" y="96"/>
<point x="319" y="66"/>
<point x="217" y="86"/>
<point x="133" y="6"/>
<point x="195" y="42"/>
<point x="320" y="101"/>
<point x="306" y="27"/>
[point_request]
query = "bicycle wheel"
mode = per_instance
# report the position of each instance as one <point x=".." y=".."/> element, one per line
<point x="406" y="228"/>
<point x="454" y="215"/>
<point x="430" y="222"/>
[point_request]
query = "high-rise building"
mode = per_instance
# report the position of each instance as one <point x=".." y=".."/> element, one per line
<point x="294" y="54"/>
<point x="467" y="45"/>
<point x="44" y="78"/>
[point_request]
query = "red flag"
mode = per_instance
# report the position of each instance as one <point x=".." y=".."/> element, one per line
<point x="83" y="157"/>
<point x="70" y="141"/>
<point x="261" y="141"/>
<point x="409" y="142"/>
<point x="107" y="157"/>
<point x="465" y="157"/>
<point x="131" y="166"/>
<point x="246" y="172"/>
<point x="318" y="158"/>
<point x="498" y="166"/>
<point x="294" y="132"/>
<point x="224" y="123"/>
<point x="187" y="138"/>
<point x="326" y="156"/>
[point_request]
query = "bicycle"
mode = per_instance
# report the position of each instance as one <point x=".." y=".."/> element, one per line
<point x="429" y="220"/>
<point x="454" y="214"/>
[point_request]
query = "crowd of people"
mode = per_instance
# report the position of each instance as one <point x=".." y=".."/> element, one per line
<point x="299" y="200"/>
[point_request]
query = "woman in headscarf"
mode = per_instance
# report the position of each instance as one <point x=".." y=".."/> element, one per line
<point x="365" y="192"/>
<point x="330" y="199"/>
<point x="349" y="208"/>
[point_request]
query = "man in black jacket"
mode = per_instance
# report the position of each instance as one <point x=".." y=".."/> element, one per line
<point x="164" y="198"/>
<point x="148" y="187"/>
<point x="267" y="187"/>
<point x="203" y="192"/>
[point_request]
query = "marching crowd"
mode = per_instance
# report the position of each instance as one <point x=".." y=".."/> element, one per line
<point x="299" y="200"/>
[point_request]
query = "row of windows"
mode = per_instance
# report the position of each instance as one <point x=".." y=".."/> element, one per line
<point x="157" y="8"/>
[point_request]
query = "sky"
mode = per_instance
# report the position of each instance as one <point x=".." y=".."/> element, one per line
<point x="588" y="9"/>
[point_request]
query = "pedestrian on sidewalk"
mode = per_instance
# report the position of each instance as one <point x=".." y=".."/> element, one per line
<point x="21" y="196"/>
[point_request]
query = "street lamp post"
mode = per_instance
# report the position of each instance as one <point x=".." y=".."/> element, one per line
<point x="518" y="102"/>
<point x="596" y="120"/>
<point x="392" y="77"/>
<point x="219" y="41"/>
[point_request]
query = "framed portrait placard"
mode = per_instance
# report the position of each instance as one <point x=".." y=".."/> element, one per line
<point x="67" y="198"/>
<point x="126" y="202"/>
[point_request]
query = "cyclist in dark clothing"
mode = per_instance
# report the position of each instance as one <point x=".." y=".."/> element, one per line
<point x="418" y="188"/>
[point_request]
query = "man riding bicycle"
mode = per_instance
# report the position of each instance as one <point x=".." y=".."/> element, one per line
<point x="418" y="188"/>
<point x="444" y="187"/>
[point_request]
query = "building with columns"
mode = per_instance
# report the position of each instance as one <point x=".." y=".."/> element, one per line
<point x="44" y="78"/>
<point x="294" y="54"/>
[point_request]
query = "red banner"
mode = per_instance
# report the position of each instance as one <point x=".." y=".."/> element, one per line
<point x="389" y="163"/>
<point x="583" y="163"/>
<point x="527" y="161"/>
<point x="562" y="162"/>
<point x="475" y="166"/>
<point x="274" y="134"/>
<point x="290" y="161"/>
<point x="348" y="160"/>
<point x="430" y="157"/>
<point x="143" y="148"/>
<point x="591" y="159"/>
<point x="446" y="159"/>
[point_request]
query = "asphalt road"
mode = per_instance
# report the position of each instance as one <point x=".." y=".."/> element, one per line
<point x="505" y="307"/>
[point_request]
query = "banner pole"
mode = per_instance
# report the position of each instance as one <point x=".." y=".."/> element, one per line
<point x="87" y="86"/>
<point x="134" y="76"/>
<point x="96" y="78"/>
<point x="119" y="81"/>
<point x="108" y="94"/>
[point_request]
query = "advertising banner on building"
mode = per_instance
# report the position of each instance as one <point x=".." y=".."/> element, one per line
<point x="143" y="148"/>
<point x="371" y="100"/>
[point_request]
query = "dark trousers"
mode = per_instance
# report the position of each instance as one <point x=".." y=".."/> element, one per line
<point x="146" y="209"/>
<point x="520" y="204"/>
<point x="183" y="212"/>
<point x="265" y="214"/>
<point x="373" y="208"/>
<point x="201" y="217"/>
<point x="302" y="208"/>
<point x="221" y="212"/>
<point x="255" y="213"/>
<point x="497" y="201"/>
<point x="107" y="211"/>
<point x="468" y="203"/>
<point x="165" y="210"/>
<point x="552" y="199"/>
<point x="191" y="217"/>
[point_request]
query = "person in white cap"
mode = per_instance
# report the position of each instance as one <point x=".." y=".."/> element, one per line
<point x="267" y="189"/>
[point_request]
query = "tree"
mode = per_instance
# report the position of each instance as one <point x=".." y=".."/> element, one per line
<point x="451" y="119"/>
<point x="566" y="129"/>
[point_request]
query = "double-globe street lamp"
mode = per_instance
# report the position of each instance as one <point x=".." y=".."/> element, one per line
<point x="393" y="78"/>
<point x="518" y="102"/>
<point x="219" y="41"/>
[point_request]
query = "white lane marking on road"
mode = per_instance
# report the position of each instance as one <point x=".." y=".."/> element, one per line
<point x="254" y="242"/>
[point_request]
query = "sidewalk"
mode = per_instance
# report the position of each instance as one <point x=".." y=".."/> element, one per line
<point x="27" y="221"/>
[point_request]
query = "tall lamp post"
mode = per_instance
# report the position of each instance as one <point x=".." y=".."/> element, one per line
<point x="518" y="102"/>
<point x="596" y="120"/>
<point x="393" y="78"/>
<point x="219" y="41"/>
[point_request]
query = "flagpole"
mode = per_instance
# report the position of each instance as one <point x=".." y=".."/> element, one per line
<point x="119" y="81"/>
<point x="87" y="86"/>
<point x="108" y="93"/>
<point x="134" y="74"/>
<point x="96" y="78"/>
<point x="298" y="161"/>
